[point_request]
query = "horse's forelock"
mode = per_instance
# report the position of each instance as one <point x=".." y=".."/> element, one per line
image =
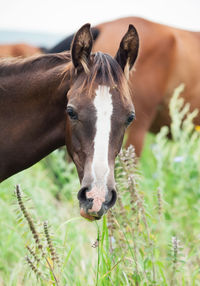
<point x="104" y="70"/>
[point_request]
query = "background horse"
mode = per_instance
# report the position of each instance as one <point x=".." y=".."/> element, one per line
<point x="34" y="119"/>
<point x="167" y="57"/>
<point x="16" y="50"/>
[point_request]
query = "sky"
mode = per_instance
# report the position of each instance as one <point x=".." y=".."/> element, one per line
<point x="65" y="17"/>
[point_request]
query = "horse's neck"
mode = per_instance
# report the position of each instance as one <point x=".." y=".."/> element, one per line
<point x="32" y="119"/>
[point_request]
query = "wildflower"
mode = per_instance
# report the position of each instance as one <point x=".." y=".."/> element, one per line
<point x="179" y="159"/>
<point x="197" y="128"/>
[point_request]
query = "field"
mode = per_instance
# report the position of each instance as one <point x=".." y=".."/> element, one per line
<point x="150" y="237"/>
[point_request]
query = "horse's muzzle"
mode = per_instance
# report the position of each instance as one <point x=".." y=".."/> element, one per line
<point x="95" y="203"/>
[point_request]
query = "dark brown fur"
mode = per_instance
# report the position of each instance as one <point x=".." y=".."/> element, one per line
<point x="33" y="101"/>
<point x="32" y="110"/>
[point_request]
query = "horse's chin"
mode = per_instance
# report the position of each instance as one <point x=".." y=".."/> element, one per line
<point x="87" y="216"/>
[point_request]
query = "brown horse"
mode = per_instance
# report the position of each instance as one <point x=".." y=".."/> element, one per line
<point x="16" y="50"/>
<point x="167" y="57"/>
<point x="78" y="99"/>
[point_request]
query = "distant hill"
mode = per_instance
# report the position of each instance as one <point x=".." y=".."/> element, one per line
<point x="32" y="38"/>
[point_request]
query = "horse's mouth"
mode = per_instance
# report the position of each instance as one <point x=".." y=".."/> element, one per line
<point x="87" y="216"/>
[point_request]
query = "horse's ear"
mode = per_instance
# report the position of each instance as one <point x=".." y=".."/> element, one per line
<point x="81" y="47"/>
<point x="128" y="50"/>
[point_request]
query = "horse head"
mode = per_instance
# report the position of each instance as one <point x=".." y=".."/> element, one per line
<point x="99" y="109"/>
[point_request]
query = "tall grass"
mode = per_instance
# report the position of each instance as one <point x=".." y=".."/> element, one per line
<point x="151" y="236"/>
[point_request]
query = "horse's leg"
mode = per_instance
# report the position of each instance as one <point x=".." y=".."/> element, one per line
<point x="150" y="86"/>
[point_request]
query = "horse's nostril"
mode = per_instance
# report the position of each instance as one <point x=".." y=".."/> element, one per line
<point x="82" y="194"/>
<point x="112" y="200"/>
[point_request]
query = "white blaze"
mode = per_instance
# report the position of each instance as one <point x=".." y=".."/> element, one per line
<point x="104" y="109"/>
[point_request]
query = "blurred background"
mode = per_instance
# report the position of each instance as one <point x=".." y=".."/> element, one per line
<point x="44" y="23"/>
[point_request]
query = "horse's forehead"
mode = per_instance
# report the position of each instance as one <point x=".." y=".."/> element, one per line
<point x="86" y="96"/>
<point x="88" y="86"/>
<point x="102" y="95"/>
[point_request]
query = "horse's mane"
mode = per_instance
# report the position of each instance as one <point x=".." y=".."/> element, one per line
<point x="10" y="66"/>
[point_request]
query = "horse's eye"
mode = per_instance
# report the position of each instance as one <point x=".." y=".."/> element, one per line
<point x="130" y="118"/>
<point x="72" y="114"/>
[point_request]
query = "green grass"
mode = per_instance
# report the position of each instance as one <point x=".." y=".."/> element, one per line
<point x="150" y="237"/>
